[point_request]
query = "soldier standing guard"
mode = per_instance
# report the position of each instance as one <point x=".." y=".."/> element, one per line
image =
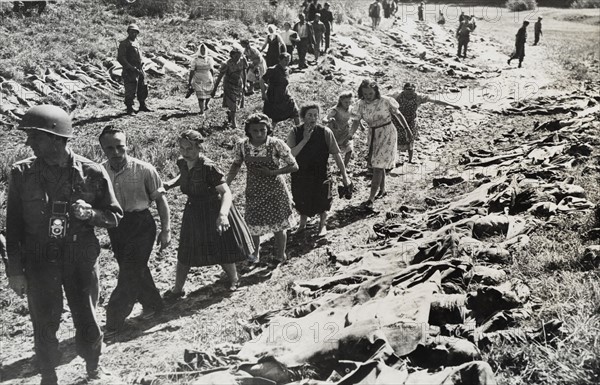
<point x="537" y="29"/>
<point x="55" y="199"/>
<point x="134" y="79"/>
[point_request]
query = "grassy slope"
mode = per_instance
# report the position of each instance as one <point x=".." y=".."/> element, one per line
<point x="567" y="293"/>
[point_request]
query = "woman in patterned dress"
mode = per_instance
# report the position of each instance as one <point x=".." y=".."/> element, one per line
<point x="202" y="77"/>
<point x="268" y="203"/>
<point x="234" y="71"/>
<point x="212" y="230"/>
<point x="409" y="101"/>
<point x="376" y="111"/>
<point x="311" y="145"/>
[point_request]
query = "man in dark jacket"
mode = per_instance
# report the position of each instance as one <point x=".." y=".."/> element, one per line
<point x="55" y="200"/>
<point x="327" y="19"/>
<point x="134" y="79"/>
<point x="307" y="39"/>
<point x="520" y="40"/>
<point x="537" y="30"/>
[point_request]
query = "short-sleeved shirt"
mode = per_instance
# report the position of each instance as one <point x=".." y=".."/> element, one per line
<point x="286" y="36"/>
<point x="332" y="145"/>
<point x="136" y="185"/>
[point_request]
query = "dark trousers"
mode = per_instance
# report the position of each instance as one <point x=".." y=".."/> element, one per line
<point x="462" y="47"/>
<point x="327" y="37"/>
<point x="290" y="49"/>
<point x="302" y="51"/>
<point x="132" y="242"/>
<point x="78" y="276"/>
<point x="135" y="84"/>
<point x="537" y="38"/>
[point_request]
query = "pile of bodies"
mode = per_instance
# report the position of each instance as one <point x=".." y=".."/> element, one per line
<point x="421" y="303"/>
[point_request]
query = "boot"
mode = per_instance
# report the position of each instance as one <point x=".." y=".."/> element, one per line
<point x="49" y="377"/>
<point x="130" y="110"/>
<point x="144" y="108"/>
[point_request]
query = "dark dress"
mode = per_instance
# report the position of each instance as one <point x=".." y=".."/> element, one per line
<point x="274" y="48"/>
<point x="311" y="186"/>
<point x="199" y="242"/>
<point x="279" y="105"/>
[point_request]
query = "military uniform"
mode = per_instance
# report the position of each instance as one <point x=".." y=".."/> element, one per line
<point x="134" y="79"/>
<point x="54" y="250"/>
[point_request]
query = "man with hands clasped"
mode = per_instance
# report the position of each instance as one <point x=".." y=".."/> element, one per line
<point x="55" y="199"/>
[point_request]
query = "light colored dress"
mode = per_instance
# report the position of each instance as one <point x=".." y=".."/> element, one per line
<point x="268" y="200"/>
<point x="203" y="81"/>
<point x="382" y="136"/>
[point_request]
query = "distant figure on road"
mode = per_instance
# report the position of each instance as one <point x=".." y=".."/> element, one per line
<point x="375" y="14"/>
<point x="257" y="66"/>
<point x="537" y="29"/>
<point x="420" y="10"/>
<point x="461" y="17"/>
<point x="520" y="40"/>
<point x="134" y="79"/>
<point x="463" y="34"/>
<point x="442" y="19"/>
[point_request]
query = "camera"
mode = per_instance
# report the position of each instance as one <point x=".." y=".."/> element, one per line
<point x="59" y="220"/>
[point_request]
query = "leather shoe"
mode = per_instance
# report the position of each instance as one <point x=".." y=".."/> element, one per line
<point x="144" y="108"/>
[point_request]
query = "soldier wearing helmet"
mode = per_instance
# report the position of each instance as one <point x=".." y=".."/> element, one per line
<point x="55" y="199"/>
<point x="134" y="79"/>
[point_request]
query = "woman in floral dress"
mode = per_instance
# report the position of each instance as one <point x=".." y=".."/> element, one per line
<point x="202" y="77"/>
<point x="376" y="111"/>
<point x="268" y="203"/>
<point x="212" y="230"/>
<point x="234" y="71"/>
<point x="409" y="101"/>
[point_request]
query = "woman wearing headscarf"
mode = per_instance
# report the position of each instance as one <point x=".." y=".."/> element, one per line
<point x="274" y="44"/>
<point x="408" y="104"/>
<point x="279" y="104"/>
<point x="212" y="230"/>
<point x="268" y="203"/>
<point x="376" y="111"/>
<point x="234" y="72"/>
<point x="201" y="77"/>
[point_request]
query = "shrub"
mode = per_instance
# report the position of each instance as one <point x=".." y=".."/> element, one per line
<point x="521" y="5"/>
<point x="585" y="4"/>
<point x="139" y="8"/>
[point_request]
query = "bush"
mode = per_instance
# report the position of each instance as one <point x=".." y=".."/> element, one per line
<point x="521" y="5"/>
<point x="139" y="8"/>
<point x="586" y="4"/>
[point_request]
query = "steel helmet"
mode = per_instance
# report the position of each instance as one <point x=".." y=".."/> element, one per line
<point x="51" y="119"/>
<point x="133" y="27"/>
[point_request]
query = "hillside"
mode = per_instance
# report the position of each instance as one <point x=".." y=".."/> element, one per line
<point x="498" y="211"/>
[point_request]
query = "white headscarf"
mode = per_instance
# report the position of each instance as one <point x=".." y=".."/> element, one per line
<point x="272" y="31"/>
